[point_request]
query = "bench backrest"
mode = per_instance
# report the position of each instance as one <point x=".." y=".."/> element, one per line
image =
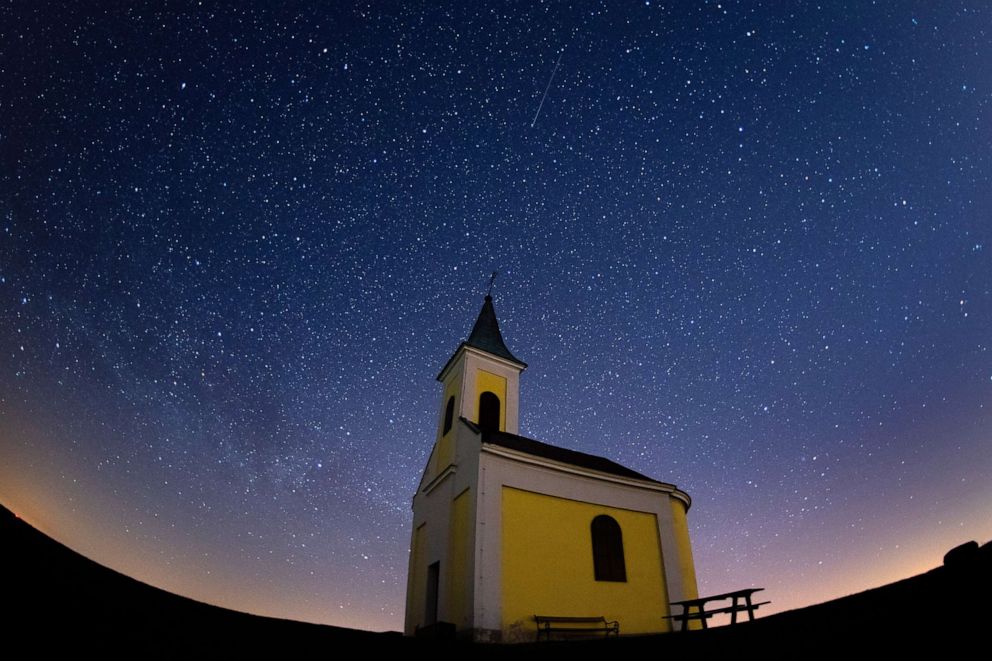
<point x="577" y="620"/>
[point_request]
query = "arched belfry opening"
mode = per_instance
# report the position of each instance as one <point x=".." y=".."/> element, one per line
<point x="449" y="416"/>
<point x="489" y="411"/>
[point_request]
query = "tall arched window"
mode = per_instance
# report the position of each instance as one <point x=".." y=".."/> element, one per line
<point x="449" y="415"/>
<point x="607" y="550"/>
<point x="489" y="411"/>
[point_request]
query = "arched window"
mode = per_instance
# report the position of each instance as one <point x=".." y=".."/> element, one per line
<point x="607" y="549"/>
<point x="489" y="411"/>
<point x="449" y="415"/>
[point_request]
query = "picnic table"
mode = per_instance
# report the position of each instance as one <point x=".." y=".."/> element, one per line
<point x="695" y="609"/>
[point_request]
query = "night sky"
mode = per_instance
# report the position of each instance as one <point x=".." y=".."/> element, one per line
<point x="744" y="248"/>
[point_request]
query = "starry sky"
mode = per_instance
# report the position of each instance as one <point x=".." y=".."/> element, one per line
<point x="744" y="248"/>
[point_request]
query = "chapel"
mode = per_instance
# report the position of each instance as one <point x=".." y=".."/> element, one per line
<point x="507" y="527"/>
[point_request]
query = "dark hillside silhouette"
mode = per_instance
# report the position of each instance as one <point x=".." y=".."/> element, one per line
<point x="59" y="600"/>
<point x="80" y="604"/>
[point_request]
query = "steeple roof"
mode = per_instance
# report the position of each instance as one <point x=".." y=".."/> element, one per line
<point x="485" y="334"/>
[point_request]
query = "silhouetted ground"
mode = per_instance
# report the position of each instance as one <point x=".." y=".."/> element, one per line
<point x="57" y="600"/>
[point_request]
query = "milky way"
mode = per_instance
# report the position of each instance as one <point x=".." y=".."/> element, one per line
<point x="746" y="249"/>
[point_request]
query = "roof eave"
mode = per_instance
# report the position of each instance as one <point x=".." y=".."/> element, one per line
<point x="465" y="346"/>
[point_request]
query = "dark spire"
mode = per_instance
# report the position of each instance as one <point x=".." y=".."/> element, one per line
<point x="485" y="334"/>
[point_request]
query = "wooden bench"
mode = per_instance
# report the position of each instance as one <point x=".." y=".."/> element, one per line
<point x="547" y="624"/>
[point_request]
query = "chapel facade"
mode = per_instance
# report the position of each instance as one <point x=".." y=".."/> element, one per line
<point x="507" y="527"/>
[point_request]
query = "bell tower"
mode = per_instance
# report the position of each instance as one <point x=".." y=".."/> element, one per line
<point x="481" y="383"/>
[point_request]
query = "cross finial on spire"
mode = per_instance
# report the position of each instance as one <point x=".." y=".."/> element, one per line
<point x="492" y="278"/>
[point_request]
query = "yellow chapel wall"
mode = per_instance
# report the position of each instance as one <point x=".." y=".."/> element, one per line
<point x="460" y="541"/>
<point x="416" y="579"/>
<point x="547" y="566"/>
<point x="687" y="568"/>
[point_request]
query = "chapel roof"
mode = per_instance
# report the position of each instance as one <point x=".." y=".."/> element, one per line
<point x="555" y="453"/>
